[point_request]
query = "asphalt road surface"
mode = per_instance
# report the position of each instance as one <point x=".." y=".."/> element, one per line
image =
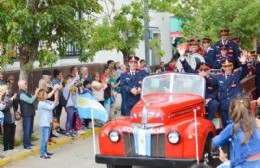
<point x="78" y="154"/>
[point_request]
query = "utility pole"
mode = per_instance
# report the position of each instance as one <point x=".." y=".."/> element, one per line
<point x="146" y="32"/>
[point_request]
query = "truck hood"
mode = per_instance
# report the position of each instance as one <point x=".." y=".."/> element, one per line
<point x="164" y="107"/>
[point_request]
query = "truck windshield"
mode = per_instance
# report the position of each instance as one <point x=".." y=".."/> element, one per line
<point x="174" y="83"/>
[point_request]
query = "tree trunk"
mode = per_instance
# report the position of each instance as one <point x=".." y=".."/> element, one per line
<point x="27" y="55"/>
<point x="125" y="57"/>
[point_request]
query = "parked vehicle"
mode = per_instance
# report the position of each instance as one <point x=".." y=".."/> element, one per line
<point x="166" y="127"/>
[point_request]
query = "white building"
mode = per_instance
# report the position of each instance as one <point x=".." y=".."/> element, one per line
<point x="159" y="28"/>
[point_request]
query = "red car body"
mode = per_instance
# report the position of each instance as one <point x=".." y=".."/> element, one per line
<point x="162" y="112"/>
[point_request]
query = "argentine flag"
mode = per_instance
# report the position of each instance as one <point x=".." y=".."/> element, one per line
<point x="85" y="103"/>
<point x="142" y="140"/>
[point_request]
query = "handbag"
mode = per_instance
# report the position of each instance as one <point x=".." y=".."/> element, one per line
<point x="55" y="123"/>
<point x="17" y="115"/>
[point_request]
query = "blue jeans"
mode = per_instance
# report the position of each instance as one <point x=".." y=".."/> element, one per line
<point x="107" y="104"/>
<point x="45" y="137"/>
<point x="224" y="117"/>
<point x="70" y="113"/>
<point x="27" y="130"/>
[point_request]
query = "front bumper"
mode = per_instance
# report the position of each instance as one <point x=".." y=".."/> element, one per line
<point x="144" y="161"/>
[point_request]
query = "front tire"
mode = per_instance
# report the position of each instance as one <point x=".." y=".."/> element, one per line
<point x="117" y="166"/>
<point x="207" y="158"/>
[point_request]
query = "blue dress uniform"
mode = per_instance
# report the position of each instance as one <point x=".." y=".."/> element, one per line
<point x="211" y="89"/>
<point x="129" y="81"/>
<point x="218" y="60"/>
<point x="220" y="57"/>
<point x="229" y="87"/>
<point x="212" y="94"/>
<point x="231" y="46"/>
<point x="210" y="56"/>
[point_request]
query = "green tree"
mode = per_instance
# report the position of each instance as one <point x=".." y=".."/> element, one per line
<point x="206" y="18"/>
<point x="32" y="30"/>
<point x="121" y="30"/>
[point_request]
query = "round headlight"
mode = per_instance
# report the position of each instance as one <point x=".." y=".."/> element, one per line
<point x="114" y="136"/>
<point x="173" y="137"/>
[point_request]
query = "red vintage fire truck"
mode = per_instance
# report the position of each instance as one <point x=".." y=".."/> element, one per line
<point x="166" y="128"/>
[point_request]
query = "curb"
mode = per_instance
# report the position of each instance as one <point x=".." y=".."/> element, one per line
<point x="21" y="155"/>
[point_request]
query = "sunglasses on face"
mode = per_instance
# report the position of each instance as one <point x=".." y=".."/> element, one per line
<point x="204" y="70"/>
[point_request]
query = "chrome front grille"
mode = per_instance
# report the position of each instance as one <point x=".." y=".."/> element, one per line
<point x="157" y="145"/>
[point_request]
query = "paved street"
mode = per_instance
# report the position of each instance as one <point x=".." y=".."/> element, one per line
<point x="79" y="154"/>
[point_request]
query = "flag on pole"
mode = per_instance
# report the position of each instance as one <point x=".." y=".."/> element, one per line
<point x="142" y="141"/>
<point x="85" y="103"/>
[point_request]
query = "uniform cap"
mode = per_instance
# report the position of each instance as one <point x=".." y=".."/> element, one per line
<point x="230" y="54"/>
<point x="236" y="39"/>
<point x="204" y="66"/>
<point x="224" y="32"/>
<point x="226" y="61"/>
<point x="206" y="40"/>
<point x="133" y="59"/>
<point x="193" y="42"/>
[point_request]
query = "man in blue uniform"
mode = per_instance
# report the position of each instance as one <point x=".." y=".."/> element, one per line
<point x="211" y="96"/>
<point x="131" y="82"/>
<point x="229" y="84"/>
<point x="210" y="55"/>
<point x="225" y="33"/>
<point x="223" y="55"/>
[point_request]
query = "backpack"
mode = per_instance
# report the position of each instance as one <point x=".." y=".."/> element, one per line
<point x="107" y="91"/>
<point x="63" y="101"/>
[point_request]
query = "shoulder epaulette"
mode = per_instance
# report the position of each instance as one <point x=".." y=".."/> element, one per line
<point x="235" y="70"/>
<point x="220" y="73"/>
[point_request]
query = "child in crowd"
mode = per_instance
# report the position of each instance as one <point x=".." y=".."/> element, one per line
<point x="114" y="85"/>
<point x="45" y="108"/>
<point x="243" y="134"/>
<point x="87" y="89"/>
<point x="70" y="92"/>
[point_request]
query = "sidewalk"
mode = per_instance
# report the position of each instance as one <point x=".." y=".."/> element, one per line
<point x="19" y="153"/>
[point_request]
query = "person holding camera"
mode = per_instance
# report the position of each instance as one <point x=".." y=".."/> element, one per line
<point x="243" y="134"/>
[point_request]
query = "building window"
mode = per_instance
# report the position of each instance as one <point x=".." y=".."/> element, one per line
<point x="73" y="50"/>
